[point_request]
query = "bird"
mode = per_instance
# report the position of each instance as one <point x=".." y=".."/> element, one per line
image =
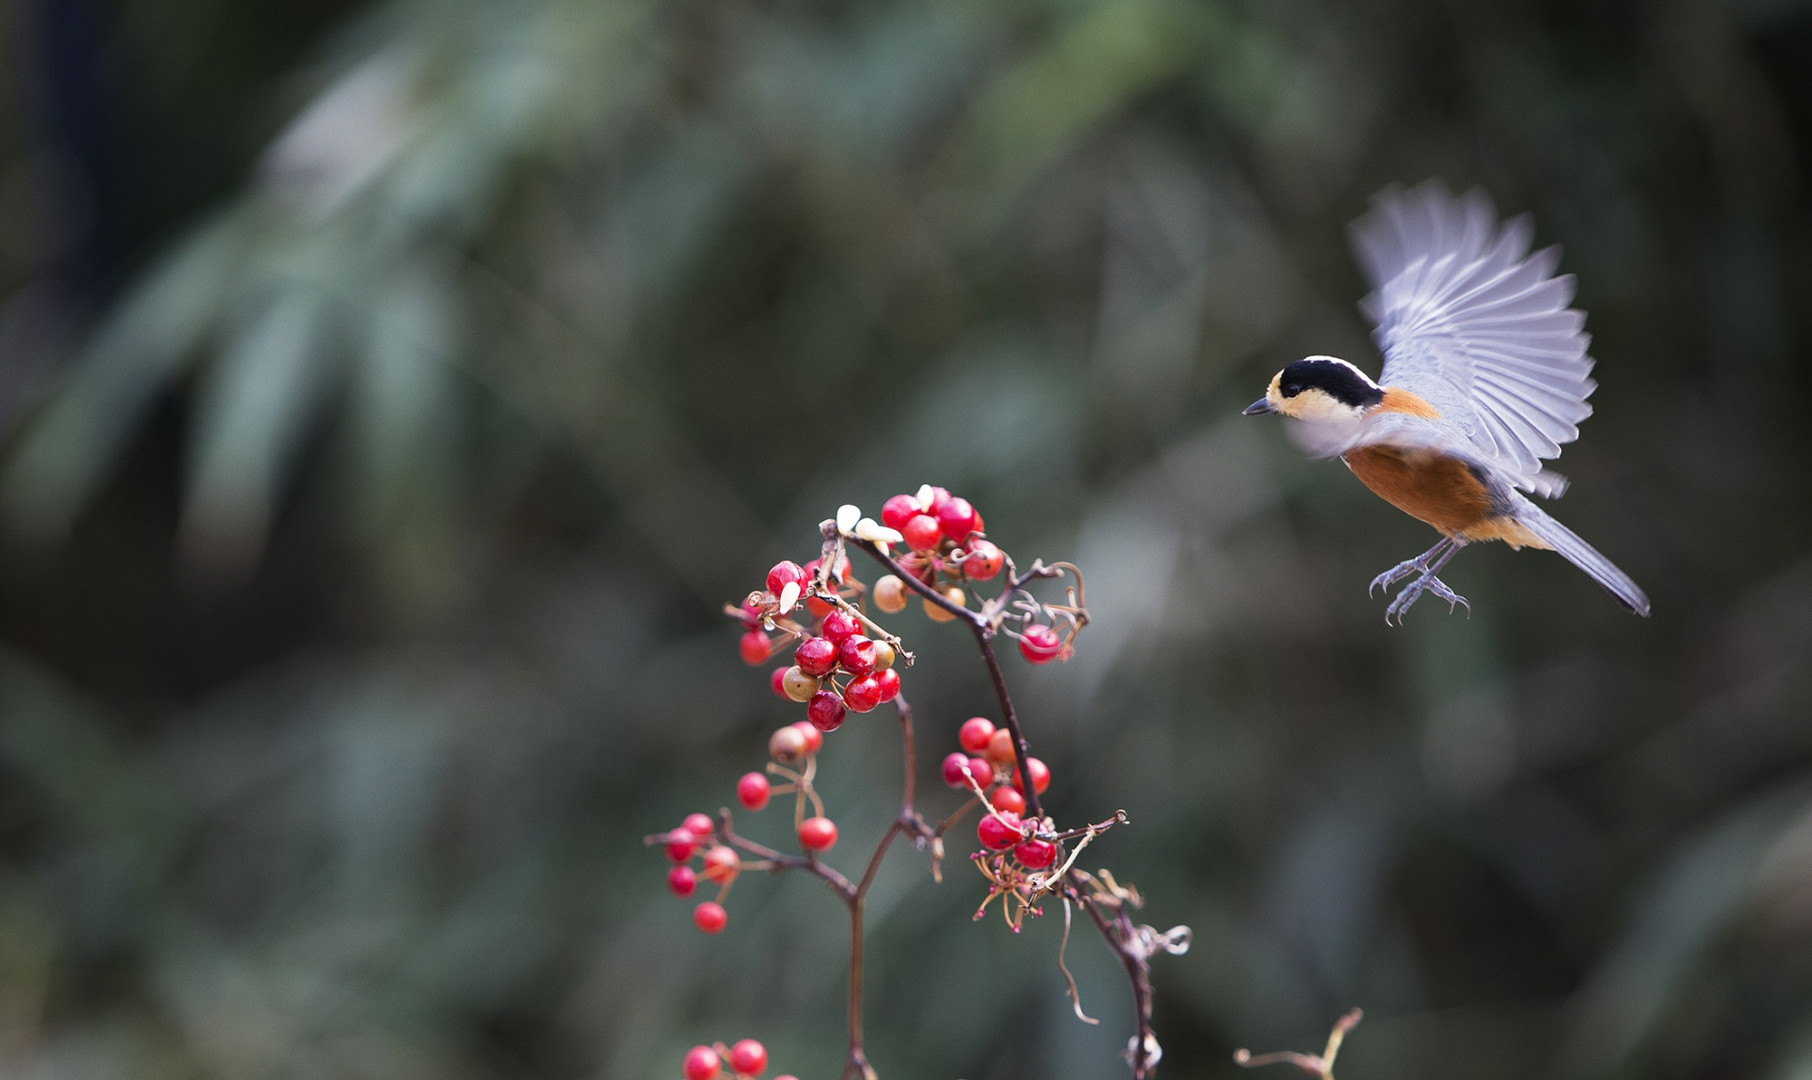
<point x="1485" y="376"/>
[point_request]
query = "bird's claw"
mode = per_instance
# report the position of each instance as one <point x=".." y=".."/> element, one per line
<point x="1417" y="565"/>
<point x="1413" y="592"/>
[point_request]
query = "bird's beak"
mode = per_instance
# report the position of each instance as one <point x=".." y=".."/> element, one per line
<point x="1262" y="405"/>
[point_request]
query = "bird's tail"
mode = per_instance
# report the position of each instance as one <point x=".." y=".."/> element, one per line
<point x="1586" y="557"/>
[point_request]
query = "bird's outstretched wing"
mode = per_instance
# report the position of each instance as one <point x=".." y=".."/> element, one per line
<point x="1467" y="318"/>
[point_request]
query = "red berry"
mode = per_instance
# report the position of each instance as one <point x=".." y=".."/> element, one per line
<point x="922" y="533"/>
<point x="1040" y="644"/>
<point x="814" y="739"/>
<point x="710" y="917"/>
<point x="681" y="881"/>
<point x="998" y="835"/>
<point x="748" y="1057"/>
<point x="889" y="682"/>
<point x="784" y="574"/>
<point x="825" y="710"/>
<point x="1006" y="798"/>
<point x="939" y="496"/>
<point x="751" y="612"/>
<point x="900" y="509"/>
<point x="863" y="693"/>
<point x="721" y="864"/>
<point x="702" y="1062"/>
<point x="752" y="791"/>
<point x="956" y="768"/>
<point x="680" y="844"/>
<point x="984" y="561"/>
<point x="1036" y="854"/>
<point x="839" y="625"/>
<point x="699" y="825"/>
<point x="818" y="608"/>
<point x="1000" y="747"/>
<point x="754" y="646"/>
<point x="777" y="683"/>
<point x="975" y="733"/>
<point x="1041" y="775"/>
<point x="816" y="655"/>
<point x="956" y="518"/>
<point x="818" y="834"/>
<point x="857" y="654"/>
<point x="983" y="771"/>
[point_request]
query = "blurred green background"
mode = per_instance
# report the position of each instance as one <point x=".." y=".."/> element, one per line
<point x="391" y="392"/>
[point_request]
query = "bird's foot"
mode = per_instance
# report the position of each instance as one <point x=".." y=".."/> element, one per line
<point x="1413" y="592"/>
<point x="1417" y="565"/>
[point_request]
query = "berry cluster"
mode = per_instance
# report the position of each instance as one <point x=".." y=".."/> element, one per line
<point x="1014" y="850"/>
<point x="746" y="1060"/>
<point x="836" y="648"/>
<point x="794" y="750"/>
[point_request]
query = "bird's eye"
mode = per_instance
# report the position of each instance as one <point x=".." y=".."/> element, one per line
<point x="1291" y="389"/>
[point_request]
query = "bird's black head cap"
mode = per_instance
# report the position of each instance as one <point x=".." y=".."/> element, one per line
<point x="1336" y="378"/>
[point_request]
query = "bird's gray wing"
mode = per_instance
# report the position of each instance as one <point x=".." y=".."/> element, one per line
<point x="1471" y="321"/>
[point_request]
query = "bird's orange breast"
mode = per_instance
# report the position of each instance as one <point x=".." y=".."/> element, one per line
<point x="1428" y="486"/>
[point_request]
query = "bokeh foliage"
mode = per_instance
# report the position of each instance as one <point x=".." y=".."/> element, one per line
<point x="396" y="389"/>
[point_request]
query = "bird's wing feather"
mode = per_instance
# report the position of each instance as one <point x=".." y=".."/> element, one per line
<point x="1474" y="323"/>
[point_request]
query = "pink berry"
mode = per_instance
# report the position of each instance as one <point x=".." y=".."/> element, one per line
<point x="857" y="655"/>
<point x="900" y="509"/>
<point x="699" y="825"/>
<point x="862" y="694"/>
<point x="998" y="835"/>
<point x="984" y="561"/>
<point x="753" y="790"/>
<point x="751" y="612"/>
<point x="784" y="574"/>
<point x="956" y="768"/>
<point x="983" y="771"/>
<point x="721" y="864"/>
<point x="956" y="518"/>
<point x="1035" y="854"/>
<point x="922" y="533"/>
<point x="1040" y="644"/>
<point x="825" y="710"/>
<point x="975" y="733"/>
<point x="754" y="647"/>
<point x="748" y="1057"/>
<point x="889" y="682"/>
<point x="777" y="683"/>
<point x="681" y="843"/>
<point x="839" y="625"/>
<point x="814" y="739"/>
<point x="818" y="834"/>
<point x="939" y="496"/>
<point x="1041" y="775"/>
<point x="816" y="656"/>
<point x="681" y="881"/>
<point x="702" y="1062"/>
<point x="710" y="917"/>
<point x="1006" y="798"/>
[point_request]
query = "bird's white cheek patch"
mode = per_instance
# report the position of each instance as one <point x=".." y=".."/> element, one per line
<point x="1315" y="406"/>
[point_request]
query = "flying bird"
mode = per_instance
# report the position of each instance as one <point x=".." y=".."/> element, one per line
<point x="1485" y="376"/>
